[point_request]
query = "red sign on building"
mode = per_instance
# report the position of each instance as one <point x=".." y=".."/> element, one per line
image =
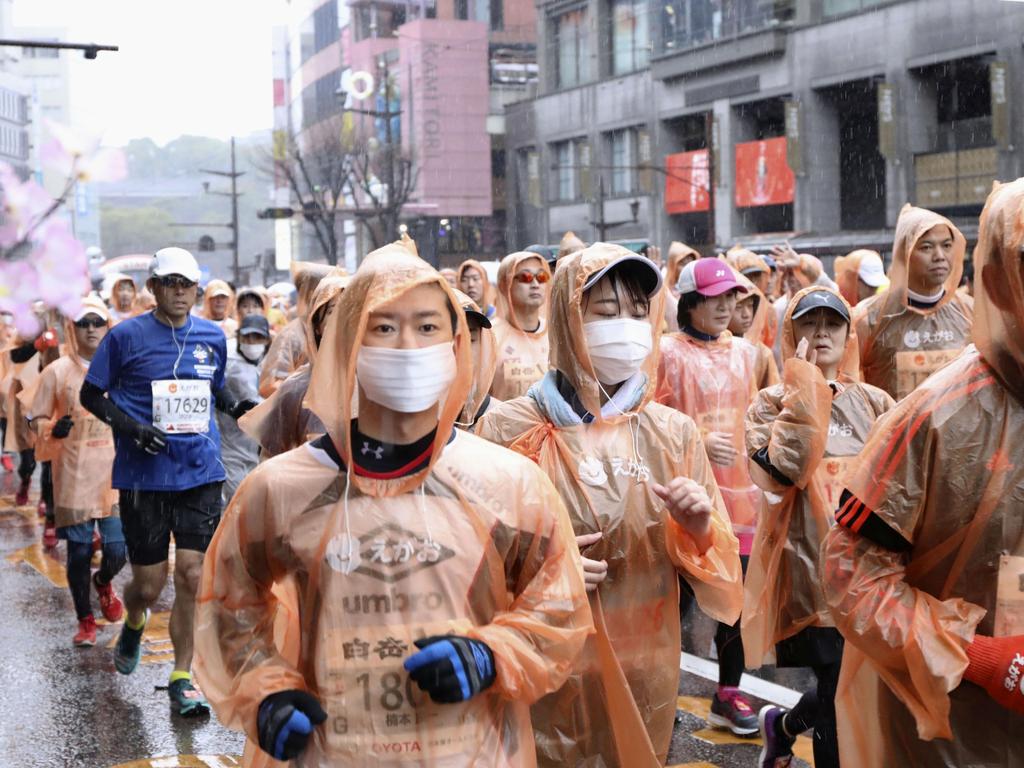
<point x="686" y="182"/>
<point x="763" y="177"/>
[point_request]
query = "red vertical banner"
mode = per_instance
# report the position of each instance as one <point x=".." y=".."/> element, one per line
<point x="687" y="182"/>
<point x="763" y="177"/>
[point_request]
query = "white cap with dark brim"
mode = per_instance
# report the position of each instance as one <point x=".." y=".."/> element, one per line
<point x="650" y="275"/>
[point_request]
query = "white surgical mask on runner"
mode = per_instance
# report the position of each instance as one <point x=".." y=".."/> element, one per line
<point x="252" y="351"/>
<point x="618" y="347"/>
<point x="406" y="380"/>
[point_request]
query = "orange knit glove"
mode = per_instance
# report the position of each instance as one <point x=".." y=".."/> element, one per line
<point x="997" y="665"/>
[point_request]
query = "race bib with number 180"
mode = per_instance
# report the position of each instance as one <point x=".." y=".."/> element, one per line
<point x="182" y="406"/>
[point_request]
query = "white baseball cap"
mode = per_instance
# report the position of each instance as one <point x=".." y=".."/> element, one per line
<point x="175" y="261"/>
<point x="871" y="271"/>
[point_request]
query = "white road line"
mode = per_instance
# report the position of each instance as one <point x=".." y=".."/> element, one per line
<point x="755" y="686"/>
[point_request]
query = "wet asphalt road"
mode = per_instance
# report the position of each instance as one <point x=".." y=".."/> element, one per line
<point x="66" y="707"/>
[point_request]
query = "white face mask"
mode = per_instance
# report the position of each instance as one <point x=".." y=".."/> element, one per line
<point x="406" y="380"/>
<point x="618" y="348"/>
<point x="252" y="351"/>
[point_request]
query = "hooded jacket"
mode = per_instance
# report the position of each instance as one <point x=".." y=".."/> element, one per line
<point x="901" y="345"/>
<point x="767" y="371"/>
<point x="522" y="355"/>
<point x="847" y="269"/>
<point x="931" y="527"/>
<point x="116" y="314"/>
<point x="618" y="708"/>
<point x="485" y="357"/>
<point x="802" y="439"/>
<point x="475" y="543"/>
<point x="488" y="309"/>
<point x="82" y="462"/>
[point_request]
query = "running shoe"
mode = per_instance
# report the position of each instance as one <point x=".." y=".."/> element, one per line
<point x="731" y="709"/>
<point x="21" y="497"/>
<point x="778" y="749"/>
<point x="41" y="509"/>
<point x="186" y="699"/>
<point x="7" y="462"/>
<point x="50" y="536"/>
<point x="110" y="604"/>
<point x="128" y="650"/>
<point x="86" y="632"/>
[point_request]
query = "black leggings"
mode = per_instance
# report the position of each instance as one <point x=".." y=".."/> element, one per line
<point x="729" y="645"/>
<point x="79" y="561"/>
<point x="46" y="490"/>
<point x="26" y="464"/>
<point x="817" y="709"/>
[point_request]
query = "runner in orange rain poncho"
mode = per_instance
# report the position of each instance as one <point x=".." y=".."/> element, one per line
<point x="473" y="282"/>
<point x="123" y="294"/>
<point x="447" y="544"/>
<point x="81" y="449"/>
<point x="802" y="436"/>
<point x="860" y="275"/>
<point x="479" y="400"/>
<point x="288" y="350"/>
<point x="712" y="377"/>
<point x="520" y="330"/>
<point x="679" y="255"/>
<point x="614" y="461"/>
<point x="219" y="306"/>
<point x="906" y="334"/>
<point x="282" y="421"/>
<point x="251" y="301"/>
<point x="756" y="269"/>
<point x="748" y="321"/>
<point x="922" y="572"/>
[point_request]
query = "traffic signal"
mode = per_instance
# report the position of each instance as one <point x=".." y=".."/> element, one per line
<point x="275" y="213"/>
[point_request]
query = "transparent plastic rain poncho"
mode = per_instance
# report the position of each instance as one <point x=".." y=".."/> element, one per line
<point x="900" y="345"/>
<point x="477" y="543"/>
<point x="618" y="708"/>
<point x="943" y="472"/>
<point x="813" y="437"/>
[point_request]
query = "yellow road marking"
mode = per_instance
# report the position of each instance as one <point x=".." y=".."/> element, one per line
<point x="185" y="761"/>
<point x="701" y="707"/>
<point x="35" y="556"/>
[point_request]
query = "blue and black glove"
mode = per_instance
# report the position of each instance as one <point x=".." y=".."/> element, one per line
<point x="62" y="427"/>
<point x="451" y="668"/>
<point x="285" y="721"/>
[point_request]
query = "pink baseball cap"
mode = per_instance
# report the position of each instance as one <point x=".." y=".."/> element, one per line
<point x="708" y="277"/>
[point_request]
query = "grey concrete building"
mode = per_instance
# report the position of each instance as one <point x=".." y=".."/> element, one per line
<point x="814" y="120"/>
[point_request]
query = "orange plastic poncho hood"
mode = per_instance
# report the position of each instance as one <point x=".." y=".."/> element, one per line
<point x="326" y="290"/>
<point x="306" y="275"/>
<point x="570" y="243"/>
<point x="568" y="352"/>
<point x="999" y="285"/>
<point x="911" y="227"/>
<point x="384" y="275"/>
<point x="679" y="255"/>
<point x="218" y="286"/>
<point x="485" y="361"/>
<point x="506" y="274"/>
<point x="847" y="269"/>
<point x="488" y="287"/>
<point x="761" y="307"/>
<point x="849" y="366"/>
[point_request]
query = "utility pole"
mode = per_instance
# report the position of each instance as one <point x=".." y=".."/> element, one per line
<point x="234" y="194"/>
<point x="603" y="226"/>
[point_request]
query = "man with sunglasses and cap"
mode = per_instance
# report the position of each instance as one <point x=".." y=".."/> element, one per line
<point x="520" y="331"/>
<point x="155" y="379"/>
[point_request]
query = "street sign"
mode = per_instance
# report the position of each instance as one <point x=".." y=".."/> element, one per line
<point x="275" y="213"/>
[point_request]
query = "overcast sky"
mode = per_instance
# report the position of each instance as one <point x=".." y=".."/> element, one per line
<point x="189" y="66"/>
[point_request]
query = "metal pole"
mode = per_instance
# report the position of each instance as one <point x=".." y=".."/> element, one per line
<point x="234" y="214"/>
<point x="602" y="228"/>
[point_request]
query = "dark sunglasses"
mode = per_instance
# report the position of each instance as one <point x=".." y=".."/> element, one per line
<point x="176" y="281"/>
<point x="529" y="277"/>
<point x="90" y="322"/>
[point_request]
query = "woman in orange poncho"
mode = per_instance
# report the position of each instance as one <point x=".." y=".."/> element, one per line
<point x="922" y="571"/>
<point x="802" y="436"/>
<point x="623" y="465"/>
<point x="748" y="322"/>
<point x="679" y="255"/>
<point x="485" y="356"/>
<point x="473" y="281"/>
<point x="219" y="307"/>
<point x="463" y="543"/>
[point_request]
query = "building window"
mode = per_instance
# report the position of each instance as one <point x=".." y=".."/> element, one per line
<point x="629" y="35"/>
<point x="842" y="7"/>
<point x="325" y="25"/>
<point x="622" y="146"/>
<point x="688" y="23"/>
<point x="570" y="46"/>
<point x="565" y="173"/>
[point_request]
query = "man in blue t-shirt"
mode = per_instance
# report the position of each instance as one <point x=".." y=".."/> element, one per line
<point x="156" y="379"/>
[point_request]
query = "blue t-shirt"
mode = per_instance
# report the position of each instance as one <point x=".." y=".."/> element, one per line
<point x="133" y="355"/>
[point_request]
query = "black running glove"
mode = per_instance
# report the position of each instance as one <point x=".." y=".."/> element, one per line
<point x="451" y="668"/>
<point x="285" y="722"/>
<point x="62" y="428"/>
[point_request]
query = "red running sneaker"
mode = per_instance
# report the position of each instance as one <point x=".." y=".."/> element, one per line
<point x="49" y="536"/>
<point x="7" y="462"/>
<point x="110" y="603"/>
<point x="41" y="509"/>
<point x="86" y="632"/>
